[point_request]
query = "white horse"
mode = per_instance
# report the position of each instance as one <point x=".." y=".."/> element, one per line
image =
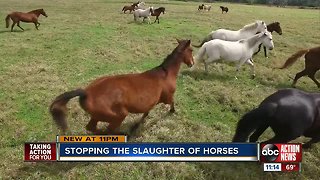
<point x="229" y="35"/>
<point x="207" y="7"/>
<point x="140" y="5"/>
<point x="145" y="13"/>
<point x="235" y="51"/>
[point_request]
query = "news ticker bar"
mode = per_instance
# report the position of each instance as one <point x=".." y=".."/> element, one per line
<point x="116" y="148"/>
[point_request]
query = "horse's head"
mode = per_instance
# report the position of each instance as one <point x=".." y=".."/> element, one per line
<point x="277" y="28"/>
<point x="186" y="52"/>
<point x="267" y="40"/>
<point x="261" y="26"/>
<point x="43" y="12"/>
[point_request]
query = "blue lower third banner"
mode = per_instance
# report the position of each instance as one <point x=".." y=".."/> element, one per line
<point x="157" y="152"/>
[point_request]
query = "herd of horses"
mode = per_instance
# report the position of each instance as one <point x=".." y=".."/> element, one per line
<point x="290" y="113"/>
<point x="139" y="11"/>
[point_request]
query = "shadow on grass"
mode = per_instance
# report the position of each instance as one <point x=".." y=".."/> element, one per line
<point x="202" y="75"/>
<point x="14" y="31"/>
<point x="136" y="129"/>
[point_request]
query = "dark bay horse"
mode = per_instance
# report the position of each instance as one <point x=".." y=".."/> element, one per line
<point x="290" y="113"/>
<point x="29" y="17"/>
<point x="224" y="9"/>
<point x="157" y="12"/>
<point x="275" y="26"/>
<point x="111" y="98"/>
<point x="200" y="7"/>
<point x="312" y="64"/>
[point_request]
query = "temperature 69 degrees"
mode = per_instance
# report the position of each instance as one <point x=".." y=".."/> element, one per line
<point x="267" y="167"/>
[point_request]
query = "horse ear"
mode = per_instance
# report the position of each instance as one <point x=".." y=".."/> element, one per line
<point x="178" y="40"/>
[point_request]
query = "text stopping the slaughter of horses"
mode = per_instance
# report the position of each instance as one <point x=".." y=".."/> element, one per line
<point x="81" y="150"/>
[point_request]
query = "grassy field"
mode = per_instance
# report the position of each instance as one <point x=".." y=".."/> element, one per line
<point x="82" y="40"/>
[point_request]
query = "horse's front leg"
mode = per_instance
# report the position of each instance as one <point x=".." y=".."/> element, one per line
<point x="36" y="25"/>
<point x="241" y="62"/>
<point x="265" y="52"/>
<point x="258" y="49"/>
<point x="250" y="62"/>
<point x="14" y="23"/>
<point x="148" y="20"/>
<point x="172" y="109"/>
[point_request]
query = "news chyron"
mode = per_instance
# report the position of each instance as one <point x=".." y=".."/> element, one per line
<point x="281" y="157"/>
<point x="275" y="157"/>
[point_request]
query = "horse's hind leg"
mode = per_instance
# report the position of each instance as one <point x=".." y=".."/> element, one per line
<point x="311" y="76"/>
<point x="92" y="125"/>
<point x="141" y="121"/>
<point x="254" y="137"/>
<point x="298" y="76"/>
<point x="114" y="127"/>
<point x="18" y="24"/>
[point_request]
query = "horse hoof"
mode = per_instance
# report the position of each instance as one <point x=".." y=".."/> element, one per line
<point x="253" y="76"/>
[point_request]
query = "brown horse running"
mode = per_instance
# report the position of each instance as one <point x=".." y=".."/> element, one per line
<point x="111" y="98"/>
<point x="130" y="8"/>
<point x="275" y="26"/>
<point x="29" y="17"/>
<point x="224" y="9"/>
<point x="157" y="13"/>
<point x="312" y="64"/>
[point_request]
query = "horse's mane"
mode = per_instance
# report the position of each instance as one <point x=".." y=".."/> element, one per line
<point x="36" y="10"/>
<point x="251" y="26"/>
<point x="171" y="57"/>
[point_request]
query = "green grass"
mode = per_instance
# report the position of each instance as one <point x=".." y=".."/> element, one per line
<point x="82" y="40"/>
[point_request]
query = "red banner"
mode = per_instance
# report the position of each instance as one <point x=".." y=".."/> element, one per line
<point x="40" y="152"/>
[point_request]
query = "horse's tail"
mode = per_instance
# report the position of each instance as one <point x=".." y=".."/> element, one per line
<point x="252" y="120"/>
<point x="292" y="59"/>
<point x="206" y="39"/>
<point x="198" y="57"/>
<point x="7" y="20"/>
<point x="58" y="107"/>
<point x="123" y="8"/>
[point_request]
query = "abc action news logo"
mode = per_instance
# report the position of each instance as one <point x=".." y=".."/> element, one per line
<point x="280" y="153"/>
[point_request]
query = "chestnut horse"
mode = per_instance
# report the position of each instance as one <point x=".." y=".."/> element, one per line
<point x="275" y="26"/>
<point x="312" y="64"/>
<point x="130" y="8"/>
<point x="28" y="17"/>
<point x="225" y="9"/>
<point x="157" y="13"/>
<point x="290" y="113"/>
<point x="111" y="98"/>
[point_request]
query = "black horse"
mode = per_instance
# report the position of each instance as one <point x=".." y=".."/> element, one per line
<point x="224" y="9"/>
<point x="290" y="113"/>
